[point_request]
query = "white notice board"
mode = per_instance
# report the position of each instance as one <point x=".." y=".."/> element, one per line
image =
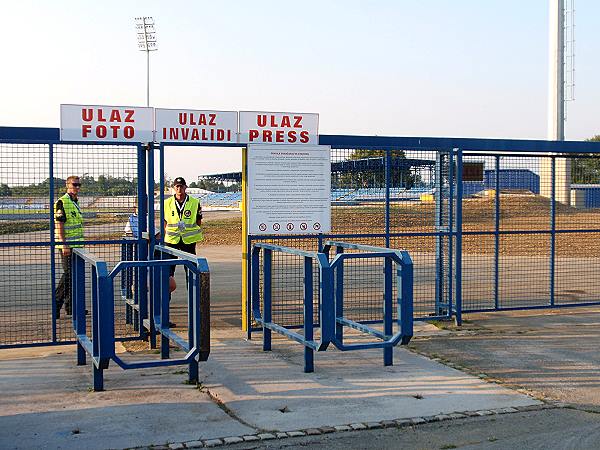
<point x="289" y="189"/>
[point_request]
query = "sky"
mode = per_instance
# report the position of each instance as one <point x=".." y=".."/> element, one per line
<point x="441" y="68"/>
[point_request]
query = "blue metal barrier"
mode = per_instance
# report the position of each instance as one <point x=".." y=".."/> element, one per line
<point x="101" y="345"/>
<point x="330" y="305"/>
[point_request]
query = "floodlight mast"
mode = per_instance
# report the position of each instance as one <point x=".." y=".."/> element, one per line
<point x="146" y="37"/>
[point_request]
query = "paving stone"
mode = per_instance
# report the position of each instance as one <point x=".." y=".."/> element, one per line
<point x="441" y="417"/>
<point x="326" y="429"/>
<point x="508" y="410"/>
<point x="266" y="436"/>
<point x="296" y="433"/>
<point x="404" y="422"/>
<point x="213" y="442"/>
<point x="342" y="428"/>
<point x="417" y="420"/>
<point x="484" y="412"/>
<point x="373" y="425"/>
<point x="194" y="444"/>
<point x="281" y="435"/>
<point x="312" y="431"/>
<point x="388" y="423"/>
<point x="233" y="440"/>
<point x="250" y="438"/>
<point x="176" y="446"/>
<point x="358" y="426"/>
<point x="456" y="416"/>
<point x="472" y="413"/>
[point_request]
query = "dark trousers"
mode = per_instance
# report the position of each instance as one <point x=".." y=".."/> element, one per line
<point x="188" y="248"/>
<point x="63" y="290"/>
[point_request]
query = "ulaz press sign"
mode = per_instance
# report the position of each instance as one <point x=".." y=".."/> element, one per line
<point x="178" y="125"/>
<point x="106" y="123"/>
<point x="278" y="128"/>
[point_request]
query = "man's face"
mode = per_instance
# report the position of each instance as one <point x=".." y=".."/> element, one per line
<point x="180" y="189"/>
<point x="74" y="186"/>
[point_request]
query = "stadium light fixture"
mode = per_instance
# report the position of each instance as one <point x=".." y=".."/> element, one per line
<point x="146" y="38"/>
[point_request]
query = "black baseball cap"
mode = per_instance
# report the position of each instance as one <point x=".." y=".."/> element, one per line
<point x="179" y="180"/>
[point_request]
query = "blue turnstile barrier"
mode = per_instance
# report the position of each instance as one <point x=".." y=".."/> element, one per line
<point x="101" y="344"/>
<point x="331" y="318"/>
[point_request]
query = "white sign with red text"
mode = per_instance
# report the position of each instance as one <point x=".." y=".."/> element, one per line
<point x="289" y="189"/>
<point x="106" y="123"/>
<point x="184" y="125"/>
<point x="278" y="128"/>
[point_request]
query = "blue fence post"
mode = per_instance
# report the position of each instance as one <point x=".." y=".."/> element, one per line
<point x="388" y="354"/>
<point x="450" y="228"/>
<point x="78" y="300"/>
<point x="327" y="311"/>
<point x="339" y="297"/>
<point x="309" y="357"/>
<point x="553" y="231"/>
<point x="459" y="198"/>
<point x="405" y="292"/>
<point x="164" y="311"/>
<point x="267" y="297"/>
<point x="497" y="236"/>
<point x="387" y="164"/>
<point x="142" y="246"/>
<point x="52" y="240"/>
<point x="439" y="237"/>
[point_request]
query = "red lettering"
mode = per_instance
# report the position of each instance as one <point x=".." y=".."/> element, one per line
<point x="267" y="136"/>
<point x="129" y="115"/>
<point x="304" y="136"/>
<point x="292" y="136"/>
<point x="101" y="130"/>
<point x="273" y="121"/>
<point x="165" y="134"/>
<point x="298" y="122"/>
<point x="115" y="116"/>
<point x="285" y="121"/>
<point x="279" y="136"/>
<point x="202" y="120"/>
<point x="173" y="134"/>
<point x="128" y="132"/>
<point x="185" y="132"/>
<point x="101" y="116"/>
<point x="212" y="119"/>
<point x="220" y="135"/>
<point x="261" y="120"/>
<point x="195" y="135"/>
<point x="115" y="130"/>
<point x="229" y="135"/>
<point x="182" y="118"/>
<point x="87" y="114"/>
<point x="252" y="134"/>
<point x="85" y="130"/>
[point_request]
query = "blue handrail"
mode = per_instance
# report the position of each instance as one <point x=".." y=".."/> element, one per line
<point x="331" y="317"/>
<point x="101" y="345"/>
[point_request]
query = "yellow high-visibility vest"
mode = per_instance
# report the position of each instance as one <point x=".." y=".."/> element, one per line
<point x="184" y="227"/>
<point x="73" y="226"/>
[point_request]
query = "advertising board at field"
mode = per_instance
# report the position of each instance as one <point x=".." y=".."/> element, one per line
<point x="184" y="125"/>
<point x="289" y="189"/>
<point x="278" y="128"/>
<point x="106" y="123"/>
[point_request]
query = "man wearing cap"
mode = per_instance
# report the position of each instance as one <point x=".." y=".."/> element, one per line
<point x="183" y="218"/>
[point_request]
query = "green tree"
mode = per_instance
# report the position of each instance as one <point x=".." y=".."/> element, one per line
<point x="5" y="190"/>
<point x="585" y="168"/>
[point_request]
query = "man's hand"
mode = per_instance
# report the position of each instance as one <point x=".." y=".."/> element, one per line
<point x="66" y="251"/>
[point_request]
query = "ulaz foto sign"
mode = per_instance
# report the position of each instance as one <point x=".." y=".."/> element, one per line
<point x="136" y="124"/>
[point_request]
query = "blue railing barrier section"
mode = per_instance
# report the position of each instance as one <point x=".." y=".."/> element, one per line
<point x="331" y="306"/>
<point x="101" y="344"/>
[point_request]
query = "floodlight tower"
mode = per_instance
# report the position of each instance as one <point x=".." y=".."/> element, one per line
<point x="560" y="90"/>
<point x="146" y="37"/>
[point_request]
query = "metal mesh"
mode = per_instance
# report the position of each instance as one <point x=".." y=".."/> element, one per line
<point x="108" y="195"/>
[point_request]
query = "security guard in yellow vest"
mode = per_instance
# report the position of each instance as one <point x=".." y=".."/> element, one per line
<point x="183" y="218"/>
<point x="68" y="234"/>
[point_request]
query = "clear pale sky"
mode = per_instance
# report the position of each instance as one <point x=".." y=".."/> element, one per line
<point x="465" y="68"/>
